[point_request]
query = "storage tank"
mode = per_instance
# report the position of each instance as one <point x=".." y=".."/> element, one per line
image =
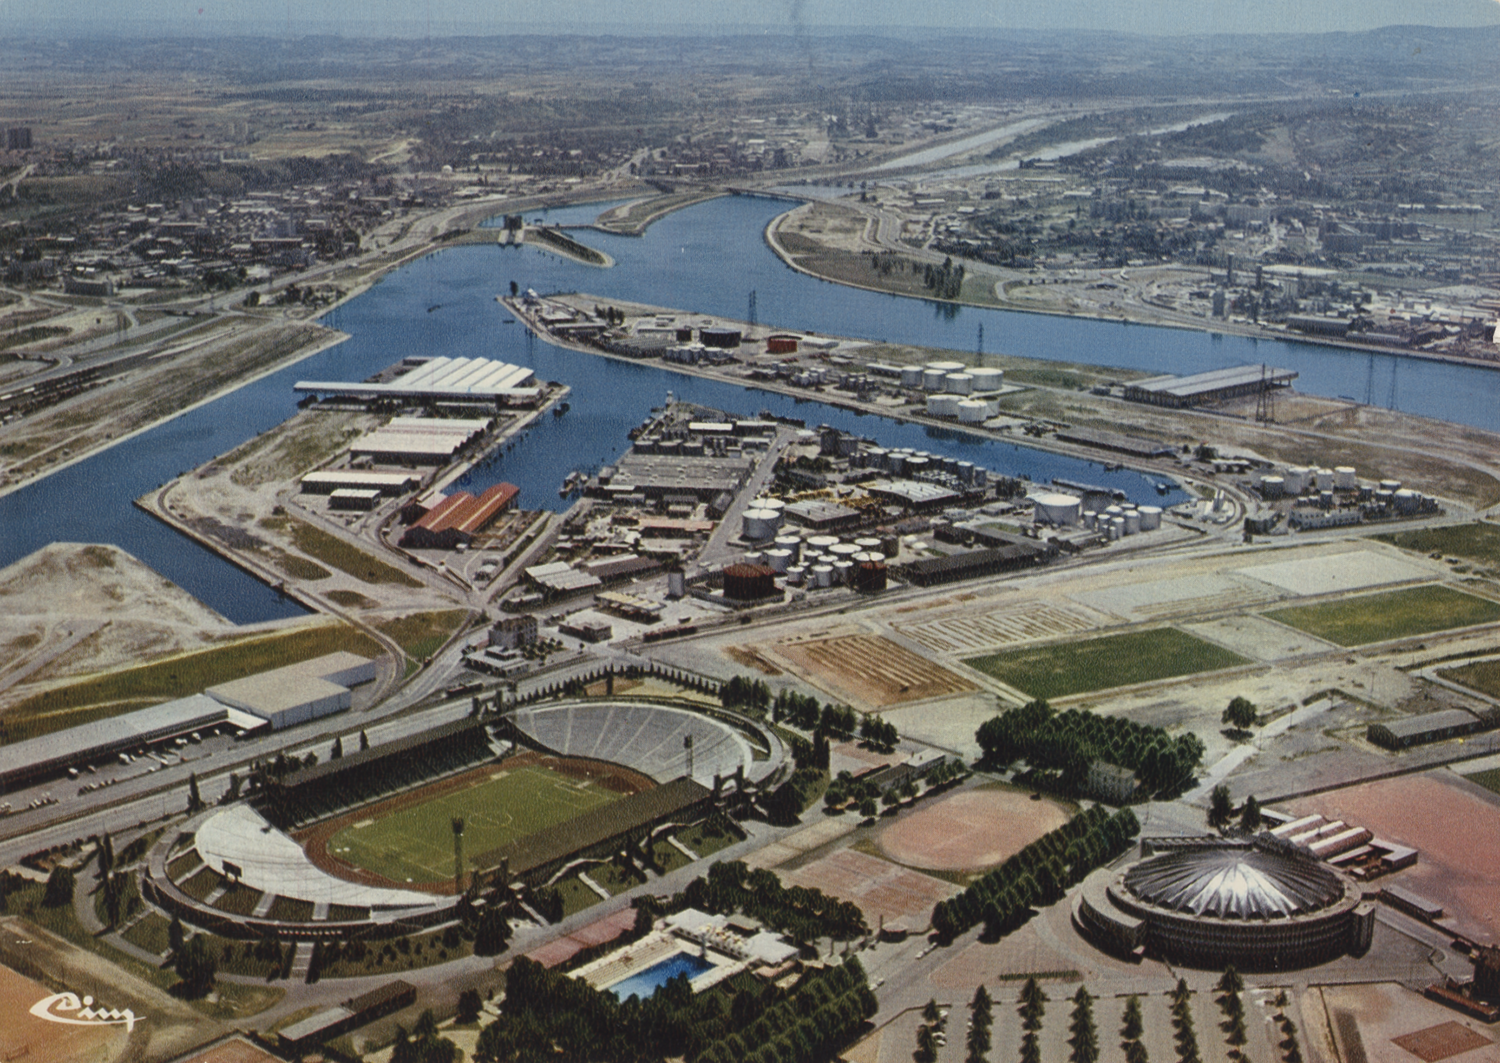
<point x="1272" y="486"/>
<point x="915" y="466"/>
<point x="1132" y="521"/>
<point x="779" y="560"/>
<point x="947" y="367"/>
<point x="1150" y="518"/>
<point x="890" y="545"/>
<point x="1390" y="485"/>
<point x="743" y="583"/>
<point x="1090" y="519"/>
<point x="755" y="557"/>
<point x="1116" y="527"/>
<point x="822" y="575"/>
<point x="842" y="571"/>
<point x="775" y="504"/>
<point x="796" y="574"/>
<point x="877" y="458"/>
<point x="932" y="379"/>
<point x="843" y="551"/>
<point x="790" y="543"/>
<point x="942" y="406"/>
<point x="869" y="576"/>
<point x="965" y="472"/>
<point x="1345" y="478"/>
<point x="1295" y="479"/>
<point x="987" y="379"/>
<point x="911" y="376"/>
<point x="676" y="583"/>
<point x="1383" y="498"/>
<point x="958" y="383"/>
<point x="1406" y="500"/>
<point x="973" y="411"/>
<point x="760" y="524"/>
<point x="1057" y="509"/>
<point x="822" y="542"/>
<point x="1111" y="512"/>
<point x="1324" y="479"/>
<point x="1325" y="498"/>
<point x="897" y="464"/>
<point x="867" y="542"/>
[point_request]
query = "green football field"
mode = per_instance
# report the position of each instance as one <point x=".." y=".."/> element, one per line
<point x="1101" y="663"/>
<point x="1389" y="615"/>
<point x="416" y="844"/>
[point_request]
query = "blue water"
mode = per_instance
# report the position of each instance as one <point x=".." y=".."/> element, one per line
<point x="647" y="982"/>
<point x="706" y="259"/>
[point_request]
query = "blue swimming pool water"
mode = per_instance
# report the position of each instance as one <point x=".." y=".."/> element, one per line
<point x="647" y="982"/>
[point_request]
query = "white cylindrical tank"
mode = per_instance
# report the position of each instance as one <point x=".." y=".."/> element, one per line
<point x="1150" y="518"/>
<point x="768" y="503"/>
<point x="1295" y="480"/>
<point x="779" y="560"/>
<point x="966" y="472"/>
<point x="1406" y="500"/>
<point x="877" y="458"/>
<point x="1057" y="509"/>
<point x="1132" y="521"/>
<point x="1272" y="486"/>
<point x="1090" y="519"/>
<point x="973" y="411"/>
<point x="916" y="465"/>
<point x="867" y="542"/>
<point x="759" y="524"/>
<point x="841" y="571"/>
<point x="911" y="376"/>
<point x="1116" y="527"/>
<point x="1324" y="479"/>
<point x="947" y="367"/>
<point x="1390" y="485"/>
<point x="796" y="574"/>
<point x="792" y="543"/>
<point x="822" y="575"/>
<point x="1383" y="498"/>
<point x="942" y="406"/>
<point x="896" y="464"/>
<point x="1345" y="478"/>
<point x="843" y="551"/>
<point x="755" y="557"/>
<point x="987" y="379"/>
<point x="958" y="383"/>
<point x="932" y="379"/>
<point x="1113" y="511"/>
<point x="822" y="542"/>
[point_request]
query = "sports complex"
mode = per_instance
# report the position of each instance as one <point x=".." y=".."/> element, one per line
<point x="371" y="843"/>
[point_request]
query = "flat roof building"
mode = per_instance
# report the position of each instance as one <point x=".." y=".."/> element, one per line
<point x="1214" y="386"/>
<point x="285" y="697"/>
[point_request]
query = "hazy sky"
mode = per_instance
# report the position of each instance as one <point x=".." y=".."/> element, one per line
<point x="364" y="18"/>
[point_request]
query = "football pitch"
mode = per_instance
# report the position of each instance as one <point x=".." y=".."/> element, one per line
<point x="1101" y="663"/>
<point x="1390" y="615"/>
<point x="415" y="844"/>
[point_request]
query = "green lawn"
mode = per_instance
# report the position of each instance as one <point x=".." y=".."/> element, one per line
<point x="1477" y="542"/>
<point x="1101" y="663"/>
<point x="417" y="843"/>
<point x="150" y="933"/>
<point x="1483" y="676"/>
<point x="1490" y="780"/>
<point x="331" y="550"/>
<point x="576" y="896"/>
<point x="1389" y="615"/>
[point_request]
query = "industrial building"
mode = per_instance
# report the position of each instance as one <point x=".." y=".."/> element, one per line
<point x="1115" y="442"/>
<point x="1258" y="903"/>
<point x="1177" y="392"/>
<point x="420" y="440"/>
<point x="455" y="520"/>
<point x="52" y="754"/>
<point x="1428" y="727"/>
<point x="976" y="563"/>
<point x="285" y="697"/>
<point x="462" y="380"/>
<point x="358" y="1011"/>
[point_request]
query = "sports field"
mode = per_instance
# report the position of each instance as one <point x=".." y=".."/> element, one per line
<point x="414" y="843"/>
<point x="1066" y="668"/>
<point x="1389" y="615"/>
<point x="1479" y="541"/>
<point x="1483" y="676"/>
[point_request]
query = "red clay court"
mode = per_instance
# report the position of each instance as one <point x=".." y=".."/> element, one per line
<point x="1456" y="830"/>
<point x="970" y="831"/>
<point x="879" y="887"/>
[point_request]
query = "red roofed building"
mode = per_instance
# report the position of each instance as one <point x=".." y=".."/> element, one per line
<point x="458" y="518"/>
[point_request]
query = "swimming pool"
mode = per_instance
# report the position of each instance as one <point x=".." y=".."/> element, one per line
<point x="644" y="983"/>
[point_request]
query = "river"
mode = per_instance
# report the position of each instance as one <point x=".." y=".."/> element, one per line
<point x="707" y="259"/>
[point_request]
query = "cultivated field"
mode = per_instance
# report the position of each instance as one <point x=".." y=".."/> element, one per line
<point x="1391" y="615"/>
<point x="1483" y="676"/>
<point x="872" y="671"/>
<point x="1018" y="622"/>
<point x="410" y="839"/>
<point x="1062" y="669"/>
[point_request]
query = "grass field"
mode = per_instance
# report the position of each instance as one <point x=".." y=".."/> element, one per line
<point x="1389" y="615"/>
<point x="1099" y="664"/>
<point x="1477" y="542"/>
<point x="1483" y="676"/>
<point x="331" y="550"/>
<point x="416" y="844"/>
<point x="1490" y="780"/>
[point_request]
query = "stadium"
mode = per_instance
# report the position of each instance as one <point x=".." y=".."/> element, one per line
<point x="365" y="844"/>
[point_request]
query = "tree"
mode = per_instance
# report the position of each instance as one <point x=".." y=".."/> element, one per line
<point x="175" y="933"/>
<point x="1250" y="817"/>
<point x="364" y="741"/>
<point x="469" y="1006"/>
<point x="1240" y="714"/>
<point x="931" y="1013"/>
<point x="338" y="748"/>
<point x="1220" y="808"/>
<point x="1230" y="983"/>
<point x="196" y="965"/>
<point x="867" y="808"/>
<point x="492" y="934"/>
<point x="113" y="894"/>
<point x="1084" y="1037"/>
<point x="1132" y="1026"/>
<point x="926" y="1045"/>
<point x="106" y="856"/>
<point x="59" y="890"/>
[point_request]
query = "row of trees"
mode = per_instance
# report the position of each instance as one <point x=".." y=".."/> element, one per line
<point x="802" y="914"/>
<point x="812" y="1023"/>
<point x="945" y="281"/>
<point x="1070" y="741"/>
<point x="1031" y="1007"/>
<point x="879" y="732"/>
<point x="807" y="713"/>
<point x="980" y="1020"/>
<point x="1184" y="1036"/>
<point x="1038" y="874"/>
<point x="745" y="695"/>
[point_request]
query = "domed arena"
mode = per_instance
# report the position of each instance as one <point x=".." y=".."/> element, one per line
<point x="1259" y="903"/>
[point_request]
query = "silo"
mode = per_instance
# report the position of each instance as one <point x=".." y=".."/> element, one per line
<point x="897" y="463"/>
<point x="1383" y="498"/>
<point x="1111" y="512"/>
<point x="1407" y="501"/>
<point x="869" y="575"/>
<point x="842" y="570"/>
<point x="958" y="383"/>
<point x="1132" y="520"/>
<point x="911" y="376"/>
<point x="774" y="504"/>
<point x="759" y="524"/>
<point x="1057" y="509"/>
<point x="779" y="560"/>
<point x="1324" y="479"/>
<point x="986" y="380"/>
<point x="755" y="557"/>
<point x="1150" y="518"/>
<point x="823" y="575"/>
<point x="942" y="406"/>
<point x="1272" y="486"/>
<point x="796" y="574"/>
<point x="932" y="379"/>
<point x="876" y="458"/>
<point x="973" y="411"/>
<point x="947" y="367"/>
<point x="890" y="545"/>
<point x="1345" y="478"/>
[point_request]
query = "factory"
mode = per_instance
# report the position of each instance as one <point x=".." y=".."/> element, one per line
<point x="1313" y="498"/>
<point x="455" y="520"/>
<point x="460" y="381"/>
<point x="420" y="440"/>
<point x="1202" y="389"/>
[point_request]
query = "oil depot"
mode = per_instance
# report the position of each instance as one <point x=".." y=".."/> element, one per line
<point x="810" y="561"/>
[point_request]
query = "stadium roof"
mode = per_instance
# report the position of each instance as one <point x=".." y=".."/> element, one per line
<point x="400" y="747"/>
<point x="1250" y="881"/>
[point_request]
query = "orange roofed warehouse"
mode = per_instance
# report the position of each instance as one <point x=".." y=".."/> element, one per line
<point x="458" y="518"/>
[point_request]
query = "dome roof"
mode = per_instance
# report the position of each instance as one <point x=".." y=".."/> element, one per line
<point x="1235" y="882"/>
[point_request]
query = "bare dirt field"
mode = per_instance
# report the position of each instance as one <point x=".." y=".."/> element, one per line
<point x="882" y="890"/>
<point x="1452" y="823"/>
<point x="872" y="672"/>
<point x="24" y="1036"/>
<point x="969" y="831"/>
<point x="1391" y="1024"/>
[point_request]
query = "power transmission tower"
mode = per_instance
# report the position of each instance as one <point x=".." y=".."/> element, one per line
<point x="1265" y="402"/>
<point x="750" y="315"/>
<point x="1390" y="400"/>
<point x="1370" y="381"/>
<point x="979" y="344"/>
